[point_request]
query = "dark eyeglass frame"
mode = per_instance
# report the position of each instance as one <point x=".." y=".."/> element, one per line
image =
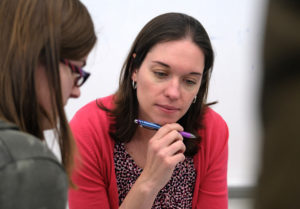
<point x="83" y="75"/>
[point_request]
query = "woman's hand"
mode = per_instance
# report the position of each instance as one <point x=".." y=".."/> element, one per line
<point x="165" y="150"/>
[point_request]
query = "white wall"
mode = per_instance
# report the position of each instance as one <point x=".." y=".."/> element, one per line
<point x="235" y="29"/>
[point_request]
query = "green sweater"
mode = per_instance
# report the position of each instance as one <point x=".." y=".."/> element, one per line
<point x="31" y="176"/>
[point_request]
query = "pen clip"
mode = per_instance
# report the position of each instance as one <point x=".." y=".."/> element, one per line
<point x="147" y="125"/>
<point x="138" y="123"/>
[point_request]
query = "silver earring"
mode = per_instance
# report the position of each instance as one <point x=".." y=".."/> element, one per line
<point x="194" y="100"/>
<point x="133" y="84"/>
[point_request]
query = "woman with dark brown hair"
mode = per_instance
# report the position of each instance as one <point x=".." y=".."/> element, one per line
<point x="164" y="82"/>
<point x="44" y="46"/>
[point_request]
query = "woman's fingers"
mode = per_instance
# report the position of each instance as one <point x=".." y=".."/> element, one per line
<point x="168" y="141"/>
<point x="174" y="148"/>
<point x="167" y="129"/>
<point x="160" y="143"/>
<point x="175" y="159"/>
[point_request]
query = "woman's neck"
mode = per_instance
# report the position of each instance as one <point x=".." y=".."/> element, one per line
<point x="143" y="135"/>
<point x="138" y="146"/>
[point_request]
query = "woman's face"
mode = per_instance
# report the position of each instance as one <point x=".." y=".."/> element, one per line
<point x="168" y="80"/>
<point x="67" y="80"/>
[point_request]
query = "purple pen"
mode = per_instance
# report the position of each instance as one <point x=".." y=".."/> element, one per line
<point x="154" y="126"/>
<point x="187" y="134"/>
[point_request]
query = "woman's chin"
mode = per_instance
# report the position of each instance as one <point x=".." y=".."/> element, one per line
<point x="47" y="125"/>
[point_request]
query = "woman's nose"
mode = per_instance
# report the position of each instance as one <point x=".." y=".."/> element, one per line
<point x="75" y="93"/>
<point x="173" y="89"/>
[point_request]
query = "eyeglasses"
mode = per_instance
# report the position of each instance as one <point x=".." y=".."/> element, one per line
<point x="83" y="75"/>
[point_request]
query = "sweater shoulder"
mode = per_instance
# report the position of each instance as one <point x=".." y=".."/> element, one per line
<point x="16" y="145"/>
<point x="91" y="124"/>
<point x="215" y="130"/>
<point x="94" y="107"/>
<point x="213" y="118"/>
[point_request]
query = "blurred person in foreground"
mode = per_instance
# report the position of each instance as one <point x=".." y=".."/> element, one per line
<point x="279" y="182"/>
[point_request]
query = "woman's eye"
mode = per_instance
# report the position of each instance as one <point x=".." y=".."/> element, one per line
<point x="160" y="74"/>
<point x="190" y="82"/>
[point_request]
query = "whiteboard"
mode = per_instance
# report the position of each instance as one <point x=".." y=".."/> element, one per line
<point x="235" y="28"/>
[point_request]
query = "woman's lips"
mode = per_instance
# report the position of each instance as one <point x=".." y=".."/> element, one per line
<point x="167" y="108"/>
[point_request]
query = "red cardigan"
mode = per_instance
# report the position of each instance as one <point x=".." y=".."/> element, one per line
<point x="95" y="175"/>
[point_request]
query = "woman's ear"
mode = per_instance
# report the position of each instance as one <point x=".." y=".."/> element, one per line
<point x="134" y="75"/>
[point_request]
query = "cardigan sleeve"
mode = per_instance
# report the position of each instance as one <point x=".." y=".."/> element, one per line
<point x="211" y="162"/>
<point x="93" y="171"/>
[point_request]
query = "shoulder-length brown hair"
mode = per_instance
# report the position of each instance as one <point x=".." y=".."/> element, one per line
<point x="163" y="28"/>
<point x="40" y="32"/>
